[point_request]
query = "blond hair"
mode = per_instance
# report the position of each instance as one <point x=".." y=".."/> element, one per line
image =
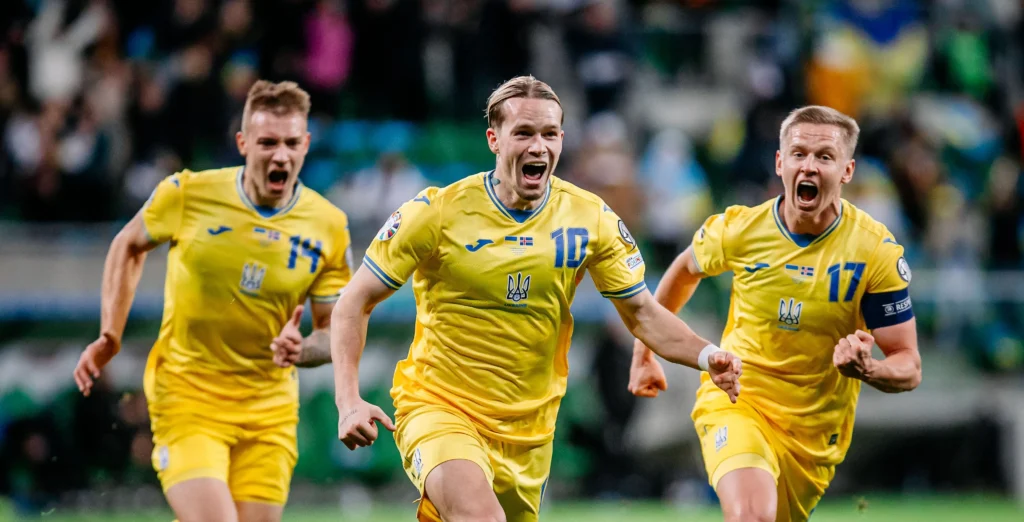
<point x="821" y="115"/>
<point x="518" y="87"/>
<point x="277" y="98"/>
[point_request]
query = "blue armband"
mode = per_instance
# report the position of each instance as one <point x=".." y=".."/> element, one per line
<point x="886" y="309"/>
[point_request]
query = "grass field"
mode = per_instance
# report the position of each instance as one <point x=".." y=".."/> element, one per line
<point x="893" y="509"/>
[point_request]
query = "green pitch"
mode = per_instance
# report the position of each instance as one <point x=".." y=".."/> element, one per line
<point x="889" y="509"/>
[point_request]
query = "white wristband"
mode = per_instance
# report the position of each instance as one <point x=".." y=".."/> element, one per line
<point x="702" y="359"/>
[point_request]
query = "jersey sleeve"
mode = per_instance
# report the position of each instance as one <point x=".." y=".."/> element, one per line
<point x="886" y="299"/>
<point x="408" y="237"/>
<point x="161" y="215"/>
<point x="709" y="246"/>
<point x="336" y="273"/>
<point x="618" y="266"/>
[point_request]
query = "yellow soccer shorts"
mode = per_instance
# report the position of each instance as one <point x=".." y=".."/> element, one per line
<point x="737" y="437"/>
<point x="431" y="435"/>
<point x="256" y="462"/>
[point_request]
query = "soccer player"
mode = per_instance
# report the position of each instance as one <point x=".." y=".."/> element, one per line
<point x="495" y="260"/>
<point x="812" y="275"/>
<point x="248" y="246"/>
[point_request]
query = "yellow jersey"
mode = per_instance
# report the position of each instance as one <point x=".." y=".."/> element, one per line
<point x="235" y="273"/>
<point x="493" y="288"/>
<point x="793" y="297"/>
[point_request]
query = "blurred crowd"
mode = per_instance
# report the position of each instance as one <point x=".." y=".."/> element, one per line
<point x="673" y="105"/>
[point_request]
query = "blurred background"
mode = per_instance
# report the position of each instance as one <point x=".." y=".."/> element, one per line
<point x="672" y="113"/>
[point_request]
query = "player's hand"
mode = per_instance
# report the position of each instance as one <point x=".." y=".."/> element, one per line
<point x="646" y="377"/>
<point x="852" y="355"/>
<point x="725" y="370"/>
<point x="356" y="425"/>
<point x="93" y="359"/>
<point x="287" y="346"/>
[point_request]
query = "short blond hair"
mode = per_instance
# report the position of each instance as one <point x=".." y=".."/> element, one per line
<point x="277" y="98"/>
<point x="821" y="115"/>
<point x="518" y="87"/>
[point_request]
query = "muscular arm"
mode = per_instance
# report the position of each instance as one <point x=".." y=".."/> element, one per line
<point x="658" y="328"/>
<point x="348" y="332"/>
<point x="674" y="290"/>
<point x="900" y="371"/>
<point x="316" y="347"/>
<point x="121" y="273"/>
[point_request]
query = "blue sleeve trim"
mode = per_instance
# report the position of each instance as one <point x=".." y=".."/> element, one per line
<point x="384" y="277"/>
<point x="886" y="309"/>
<point x="628" y="292"/>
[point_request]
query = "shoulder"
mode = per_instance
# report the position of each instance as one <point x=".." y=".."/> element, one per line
<point x="576" y="195"/>
<point x="323" y="208"/>
<point x="869" y="231"/>
<point x="205" y="178"/>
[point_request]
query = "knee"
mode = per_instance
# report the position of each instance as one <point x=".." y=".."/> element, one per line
<point x="747" y="512"/>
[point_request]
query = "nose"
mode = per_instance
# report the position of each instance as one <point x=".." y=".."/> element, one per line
<point x="536" y="147"/>
<point x="809" y="165"/>
<point x="280" y="156"/>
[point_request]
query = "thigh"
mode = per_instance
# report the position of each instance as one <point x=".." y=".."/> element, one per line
<point x="262" y="463"/>
<point x="201" y="500"/>
<point x="520" y="478"/>
<point x="802" y="484"/>
<point x="734" y="439"/>
<point x="428" y="437"/>
<point x="458" y="490"/>
<point x="186" y="448"/>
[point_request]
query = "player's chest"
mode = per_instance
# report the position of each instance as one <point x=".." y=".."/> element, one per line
<point x="261" y="258"/>
<point x="518" y="265"/>
<point x="817" y="291"/>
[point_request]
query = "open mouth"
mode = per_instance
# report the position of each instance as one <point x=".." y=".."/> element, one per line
<point x="276" y="179"/>
<point x="534" y="170"/>
<point x="806" y="192"/>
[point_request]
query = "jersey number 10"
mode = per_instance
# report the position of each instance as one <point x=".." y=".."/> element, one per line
<point x="833" y="285"/>
<point x="572" y="236"/>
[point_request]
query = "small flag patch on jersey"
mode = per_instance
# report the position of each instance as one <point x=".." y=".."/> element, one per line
<point x="803" y="271"/>
<point x="525" y="241"/>
<point x="266" y="234"/>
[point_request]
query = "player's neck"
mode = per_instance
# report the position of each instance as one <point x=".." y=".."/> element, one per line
<point x="806" y="223"/>
<point x="505" y="188"/>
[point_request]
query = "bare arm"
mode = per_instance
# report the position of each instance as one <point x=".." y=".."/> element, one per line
<point x="900" y="371"/>
<point x="121" y="273"/>
<point x="316" y="347"/>
<point x="674" y="290"/>
<point x="348" y="333"/>
<point x="658" y="328"/>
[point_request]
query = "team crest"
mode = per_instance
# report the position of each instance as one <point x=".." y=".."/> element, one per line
<point x="390" y="227"/>
<point x="721" y="438"/>
<point x="163" y="458"/>
<point x="903" y="269"/>
<point x="417" y="462"/>
<point x="252" y="278"/>
<point x="518" y="289"/>
<point x="627" y="238"/>
<point x="789" y="314"/>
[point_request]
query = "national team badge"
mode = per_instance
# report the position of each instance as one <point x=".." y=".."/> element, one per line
<point x="627" y="238"/>
<point x="518" y="289"/>
<point x="390" y="227"/>
<point x="721" y="438"/>
<point x="903" y="269"/>
<point x="789" y="314"/>
<point x="252" y="278"/>
<point x="163" y="456"/>
<point x="417" y="462"/>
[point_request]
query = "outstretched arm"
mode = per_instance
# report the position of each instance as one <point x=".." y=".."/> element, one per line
<point x="671" y="338"/>
<point x="674" y="290"/>
<point x="348" y="338"/>
<point x="121" y="273"/>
